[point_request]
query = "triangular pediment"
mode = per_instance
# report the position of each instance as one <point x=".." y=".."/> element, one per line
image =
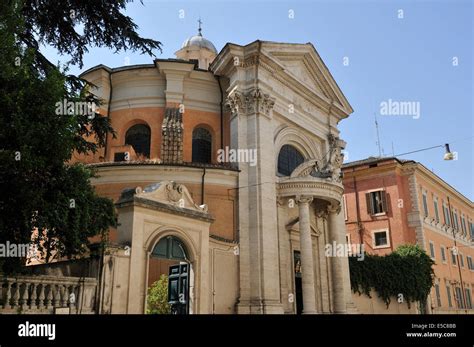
<point x="302" y="63"/>
<point x="300" y="68"/>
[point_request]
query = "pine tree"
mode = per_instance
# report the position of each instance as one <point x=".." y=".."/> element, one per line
<point x="39" y="189"/>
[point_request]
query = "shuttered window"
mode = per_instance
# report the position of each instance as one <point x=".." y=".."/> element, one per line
<point x="435" y="203"/>
<point x="447" y="220"/>
<point x="438" y="295"/>
<point x="425" y="205"/>
<point x="463" y="225"/>
<point x="459" y="298"/>
<point x="468" y="298"/>
<point x="432" y="250"/>
<point x="448" y="291"/>
<point x="455" y="220"/>
<point x="376" y="202"/>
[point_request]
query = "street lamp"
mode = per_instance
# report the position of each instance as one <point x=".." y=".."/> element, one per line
<point x="448" y="155"/>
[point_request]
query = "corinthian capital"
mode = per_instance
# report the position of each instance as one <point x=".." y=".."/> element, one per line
<point x="262" y="102"/>
<point x="236" y="102"/>
<point x="249" y="102"/>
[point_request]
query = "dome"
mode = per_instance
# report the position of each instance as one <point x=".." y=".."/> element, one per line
<point x="199" y="41"/>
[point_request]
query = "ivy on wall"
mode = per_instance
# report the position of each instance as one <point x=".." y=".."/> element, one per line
<point x="407" y="271"/>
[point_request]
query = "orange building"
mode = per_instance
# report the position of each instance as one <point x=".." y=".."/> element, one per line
<point x="389" y="202"/>
<point x="216" y="168"/>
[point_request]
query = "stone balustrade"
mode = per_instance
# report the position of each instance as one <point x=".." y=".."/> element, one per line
<point x="42" y="294"/>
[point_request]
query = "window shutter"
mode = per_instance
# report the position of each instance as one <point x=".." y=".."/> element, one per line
<point x="384" y="201"/>
<point x="370" y="205"/>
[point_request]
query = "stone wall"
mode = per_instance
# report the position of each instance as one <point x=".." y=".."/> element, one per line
<point x="375" y="305"/>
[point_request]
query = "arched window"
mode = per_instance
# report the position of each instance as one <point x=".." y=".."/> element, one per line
<point x="138" y="136"/>
<point x="170" y="247"/>
<point x="288" y="159"/>
<point x="202" y="146"/>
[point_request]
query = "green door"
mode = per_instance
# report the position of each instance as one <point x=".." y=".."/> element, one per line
<point x="178" y="288"/>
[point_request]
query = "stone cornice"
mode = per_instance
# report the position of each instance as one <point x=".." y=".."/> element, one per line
<point x="174" y="67"/>
<point x="315" y="187"/>
<point x="411" y="168"/>
<point x="313" y="97"/>
<point x="160" y="206"/>
<point x="446" y="231"/>
<point x="304" y="199"/>
<point x="311" y="57"/>
<point x="222" y="240"/>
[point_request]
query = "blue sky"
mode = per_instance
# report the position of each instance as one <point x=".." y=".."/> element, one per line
<point x="402" y="59"/>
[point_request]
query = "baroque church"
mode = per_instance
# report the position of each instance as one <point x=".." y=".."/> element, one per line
<point x="231" y="235"/>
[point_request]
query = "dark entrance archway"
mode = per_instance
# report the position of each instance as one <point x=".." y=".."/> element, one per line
<point x="298" y="283"/>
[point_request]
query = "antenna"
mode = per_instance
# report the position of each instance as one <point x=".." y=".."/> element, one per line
<point x="378" y="136"/>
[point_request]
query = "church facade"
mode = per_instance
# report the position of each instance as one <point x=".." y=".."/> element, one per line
<point x="226" y="173"/>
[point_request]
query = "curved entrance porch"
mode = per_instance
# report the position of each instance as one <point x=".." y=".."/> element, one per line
<point x="310" y="210"/>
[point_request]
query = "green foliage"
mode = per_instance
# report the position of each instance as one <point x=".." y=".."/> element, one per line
<point x="39" y="188"/>
<point x="407" y="271"/>
<point x="101" y="23"/>
<point x="157" y="300"/>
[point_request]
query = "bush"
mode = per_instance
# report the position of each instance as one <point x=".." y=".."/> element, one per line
<point x="157" y="301"/>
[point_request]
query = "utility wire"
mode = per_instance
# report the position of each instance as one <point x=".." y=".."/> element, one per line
<point x="425" y="149"/>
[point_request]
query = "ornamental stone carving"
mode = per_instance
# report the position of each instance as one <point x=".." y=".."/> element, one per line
<point x="172" y="136"/>
<point x="249" y="102"/>
<point x="166" y="193"/>
<point x="332" y="168"/>
<point x="175" y="191"/>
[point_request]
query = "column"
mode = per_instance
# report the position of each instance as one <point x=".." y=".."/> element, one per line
<point x="251" y="128"/>
<point x="287" y="272"/>
<point x="337" y="234"/>
<point x="324" y="266"/>
<point x="307" y="265"/>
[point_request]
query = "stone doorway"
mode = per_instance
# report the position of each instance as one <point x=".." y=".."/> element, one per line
<point x="170" y="258"/>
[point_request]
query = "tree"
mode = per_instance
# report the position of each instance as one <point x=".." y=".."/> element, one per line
<point x="157" y="299"/>
<point x="39" y="189"/>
